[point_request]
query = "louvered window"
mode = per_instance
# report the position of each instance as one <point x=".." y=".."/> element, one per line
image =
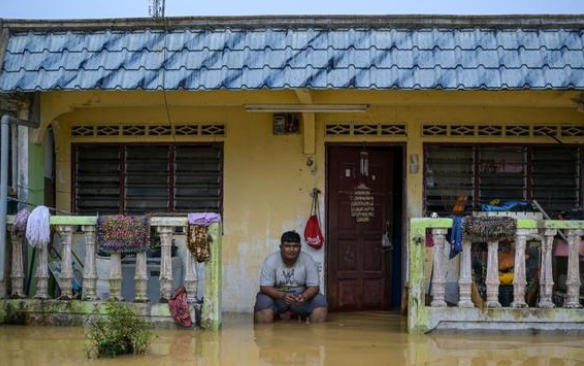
<point x="154" y="178"/>
<point x="549" y="174"/>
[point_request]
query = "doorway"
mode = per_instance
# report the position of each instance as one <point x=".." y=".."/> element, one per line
<point x="364" y="201"/>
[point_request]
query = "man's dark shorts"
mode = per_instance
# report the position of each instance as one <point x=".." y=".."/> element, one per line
<point x="279" y="306"/>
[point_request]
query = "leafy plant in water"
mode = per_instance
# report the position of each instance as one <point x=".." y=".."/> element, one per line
<point x="119" y="331"/>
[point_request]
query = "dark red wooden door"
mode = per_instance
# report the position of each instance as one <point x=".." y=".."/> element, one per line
<point x="358" y="267"/>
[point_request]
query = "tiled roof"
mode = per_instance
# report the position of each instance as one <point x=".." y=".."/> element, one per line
<point x="211" y="59"/>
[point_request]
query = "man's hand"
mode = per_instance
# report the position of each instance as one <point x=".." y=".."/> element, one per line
<point x="289" y="299"/>
<point x="299" y="300"/>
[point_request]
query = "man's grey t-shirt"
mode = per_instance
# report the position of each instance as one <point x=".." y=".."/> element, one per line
<point x="304" y="273"/>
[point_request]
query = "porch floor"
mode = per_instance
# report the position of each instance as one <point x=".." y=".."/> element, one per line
<point x="367" y="338"/>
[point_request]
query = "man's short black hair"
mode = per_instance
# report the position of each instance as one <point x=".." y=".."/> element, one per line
<point x="290" y="237"/>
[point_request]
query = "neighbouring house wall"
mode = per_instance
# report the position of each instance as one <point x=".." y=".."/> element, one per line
<point x="266" y="179"/>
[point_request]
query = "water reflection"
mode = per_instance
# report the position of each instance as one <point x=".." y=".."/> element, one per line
<point x="348" y="339"/>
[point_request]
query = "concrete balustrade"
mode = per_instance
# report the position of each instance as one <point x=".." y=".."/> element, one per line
<point x="67" y="226"/>
<point x="463" y="314"/>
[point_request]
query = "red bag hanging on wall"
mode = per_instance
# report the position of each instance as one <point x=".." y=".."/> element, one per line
<point x="312" y="232"/>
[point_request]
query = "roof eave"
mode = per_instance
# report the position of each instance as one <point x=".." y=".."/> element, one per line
<point x="305" y="21"/>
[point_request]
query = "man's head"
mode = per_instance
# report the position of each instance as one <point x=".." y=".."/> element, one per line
<point x="290" y="247"/>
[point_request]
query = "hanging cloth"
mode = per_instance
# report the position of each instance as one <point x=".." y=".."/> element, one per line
<point x="179" y="308"/>
<point x="487" y="229"/>
<point x="312" y="231"/>
<point x="198" y="239"/>
<point x="455" y="235"/>
<point x="38" y="227"/>
<point x="123" y="234"/>
<point x="20" y="221"/>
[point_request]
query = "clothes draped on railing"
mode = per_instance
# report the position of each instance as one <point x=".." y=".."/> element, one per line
<point x="123" y="234"/>
<point x="198" y="240"/>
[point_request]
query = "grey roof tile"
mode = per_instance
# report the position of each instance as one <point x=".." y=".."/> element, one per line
<point x="295" y="58"/>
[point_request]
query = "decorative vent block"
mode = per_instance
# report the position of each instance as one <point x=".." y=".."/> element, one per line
<point x="148" y="130"/>
<point x="545" y="131"/>
<point x="366" y="130"/>
<point x="435" y="130"/>
<point x="517" y="130"/>
<point x="490" y="131"/>
<point x="572" y="131"/>
<point x="503" y="130"/>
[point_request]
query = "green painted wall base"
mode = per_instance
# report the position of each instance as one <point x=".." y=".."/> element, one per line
<point x="76" y="312"/>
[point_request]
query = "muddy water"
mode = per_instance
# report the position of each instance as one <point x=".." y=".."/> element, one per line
<point x="347" y="339"/>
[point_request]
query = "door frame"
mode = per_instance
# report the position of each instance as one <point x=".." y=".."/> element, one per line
<point x="400" y="147"/>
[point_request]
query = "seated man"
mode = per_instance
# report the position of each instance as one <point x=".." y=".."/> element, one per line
<point x="289" y="282"/>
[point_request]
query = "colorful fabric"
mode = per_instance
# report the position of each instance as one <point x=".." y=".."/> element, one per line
<point x="38" y="227"/>
<point x="488" y="229"/>
<point x="198" y="242"/>
<point x="20" y="221"/>
<point x="203" y="218"/>
<point x="179" y="308"/>
<point x="123" y="234"/>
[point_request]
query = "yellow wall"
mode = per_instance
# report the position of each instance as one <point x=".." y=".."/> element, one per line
<point x="266" y="179"/>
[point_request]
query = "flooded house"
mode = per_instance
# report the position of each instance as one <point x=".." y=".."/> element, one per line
<point x="383" y="120"/>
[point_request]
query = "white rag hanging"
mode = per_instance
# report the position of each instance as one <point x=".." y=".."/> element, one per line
<point x="38" y="227"/>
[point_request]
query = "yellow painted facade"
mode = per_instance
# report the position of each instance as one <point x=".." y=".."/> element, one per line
<point x="266" y="179"/>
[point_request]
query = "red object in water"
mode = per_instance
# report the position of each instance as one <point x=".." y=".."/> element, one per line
<point x="179" y="308"/>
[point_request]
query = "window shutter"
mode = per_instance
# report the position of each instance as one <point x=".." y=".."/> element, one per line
<point x="97" y="179"/>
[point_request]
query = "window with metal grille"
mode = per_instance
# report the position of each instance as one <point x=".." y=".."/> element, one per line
<point x="550" y="174"/>
<point x="147" y="178"/>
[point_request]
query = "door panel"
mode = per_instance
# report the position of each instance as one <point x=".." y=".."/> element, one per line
<point x="358" y="269"/>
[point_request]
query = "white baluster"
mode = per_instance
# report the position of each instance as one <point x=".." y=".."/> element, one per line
<point x="465" y="276"/>
<point x="165" y="233"/>
<point x="545" y="267"/>
<point x="42" y="273"/>
<point x="115" y="278"/>
<point x="66" y="275"/>
<point x="89" y="271"/>
<point x="191" y="277"/>
<point x="439" y="270"/>
<point x="519" y="280"/>
<point x="493" y="275"/>
<point x="573" y="281"/>
<point x="141" y="278"/>
<point x="17" y="269"/>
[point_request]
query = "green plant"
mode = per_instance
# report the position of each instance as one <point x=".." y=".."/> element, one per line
<point x="119" y="331"/>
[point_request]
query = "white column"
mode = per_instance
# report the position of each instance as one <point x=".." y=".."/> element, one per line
<point x="115" y="278"/>
<point x="165" y="233"/>
<point x="191" y="277"/>
<point x="465" y="277"/>
<point x="493" y="276"/>
<point x="17" y="268"/>
<point x="66" y="275"/>
<point x="89" y="271"/>
<point x="439" y="270"/>
<point x="573" y="281"/>
<point x="546" y="283"/>
<point x="519" y="280"/>
<point x="42" y="273"/>
<point x="141" y="278"/>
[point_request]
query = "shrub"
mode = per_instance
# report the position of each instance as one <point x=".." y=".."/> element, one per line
<point x="119" y="331"/>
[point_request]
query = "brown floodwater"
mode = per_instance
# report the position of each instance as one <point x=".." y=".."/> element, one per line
<point x="347" y="339"/>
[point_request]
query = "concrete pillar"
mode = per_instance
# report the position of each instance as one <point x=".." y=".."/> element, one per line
<point x="66" y="275"/>
<point x="465" y="277"/>
<point x="573" y="280"/>
<point x="519" y="280"/>
<point x="115" y="278"/>
<point x="17" y="268"/>
<point x="141" y="278"/>
<point x="439" y="274"/>
<point x="493" y="275"/>
<point x="89" y="270"/>
<point x="42" y="273"/>
<point x="546" y="281"/>
<point x="165" y="233"/>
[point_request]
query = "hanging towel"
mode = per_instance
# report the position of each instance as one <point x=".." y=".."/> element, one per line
<point x="487" y="229"/>
<point x="38" y="227"/>
<point x="123" y="234"/>
<point x="204" y="218"/>
<point x="179" y="308"/>
<point x="429" y="238"/>
<point x="455" y="235"/>
<point x="198" y="243"/>
<point x="19" y="225"/>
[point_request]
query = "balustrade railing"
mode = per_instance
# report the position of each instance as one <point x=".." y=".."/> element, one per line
<point x="67" y="226"/>
<point x="528" y="230"/>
